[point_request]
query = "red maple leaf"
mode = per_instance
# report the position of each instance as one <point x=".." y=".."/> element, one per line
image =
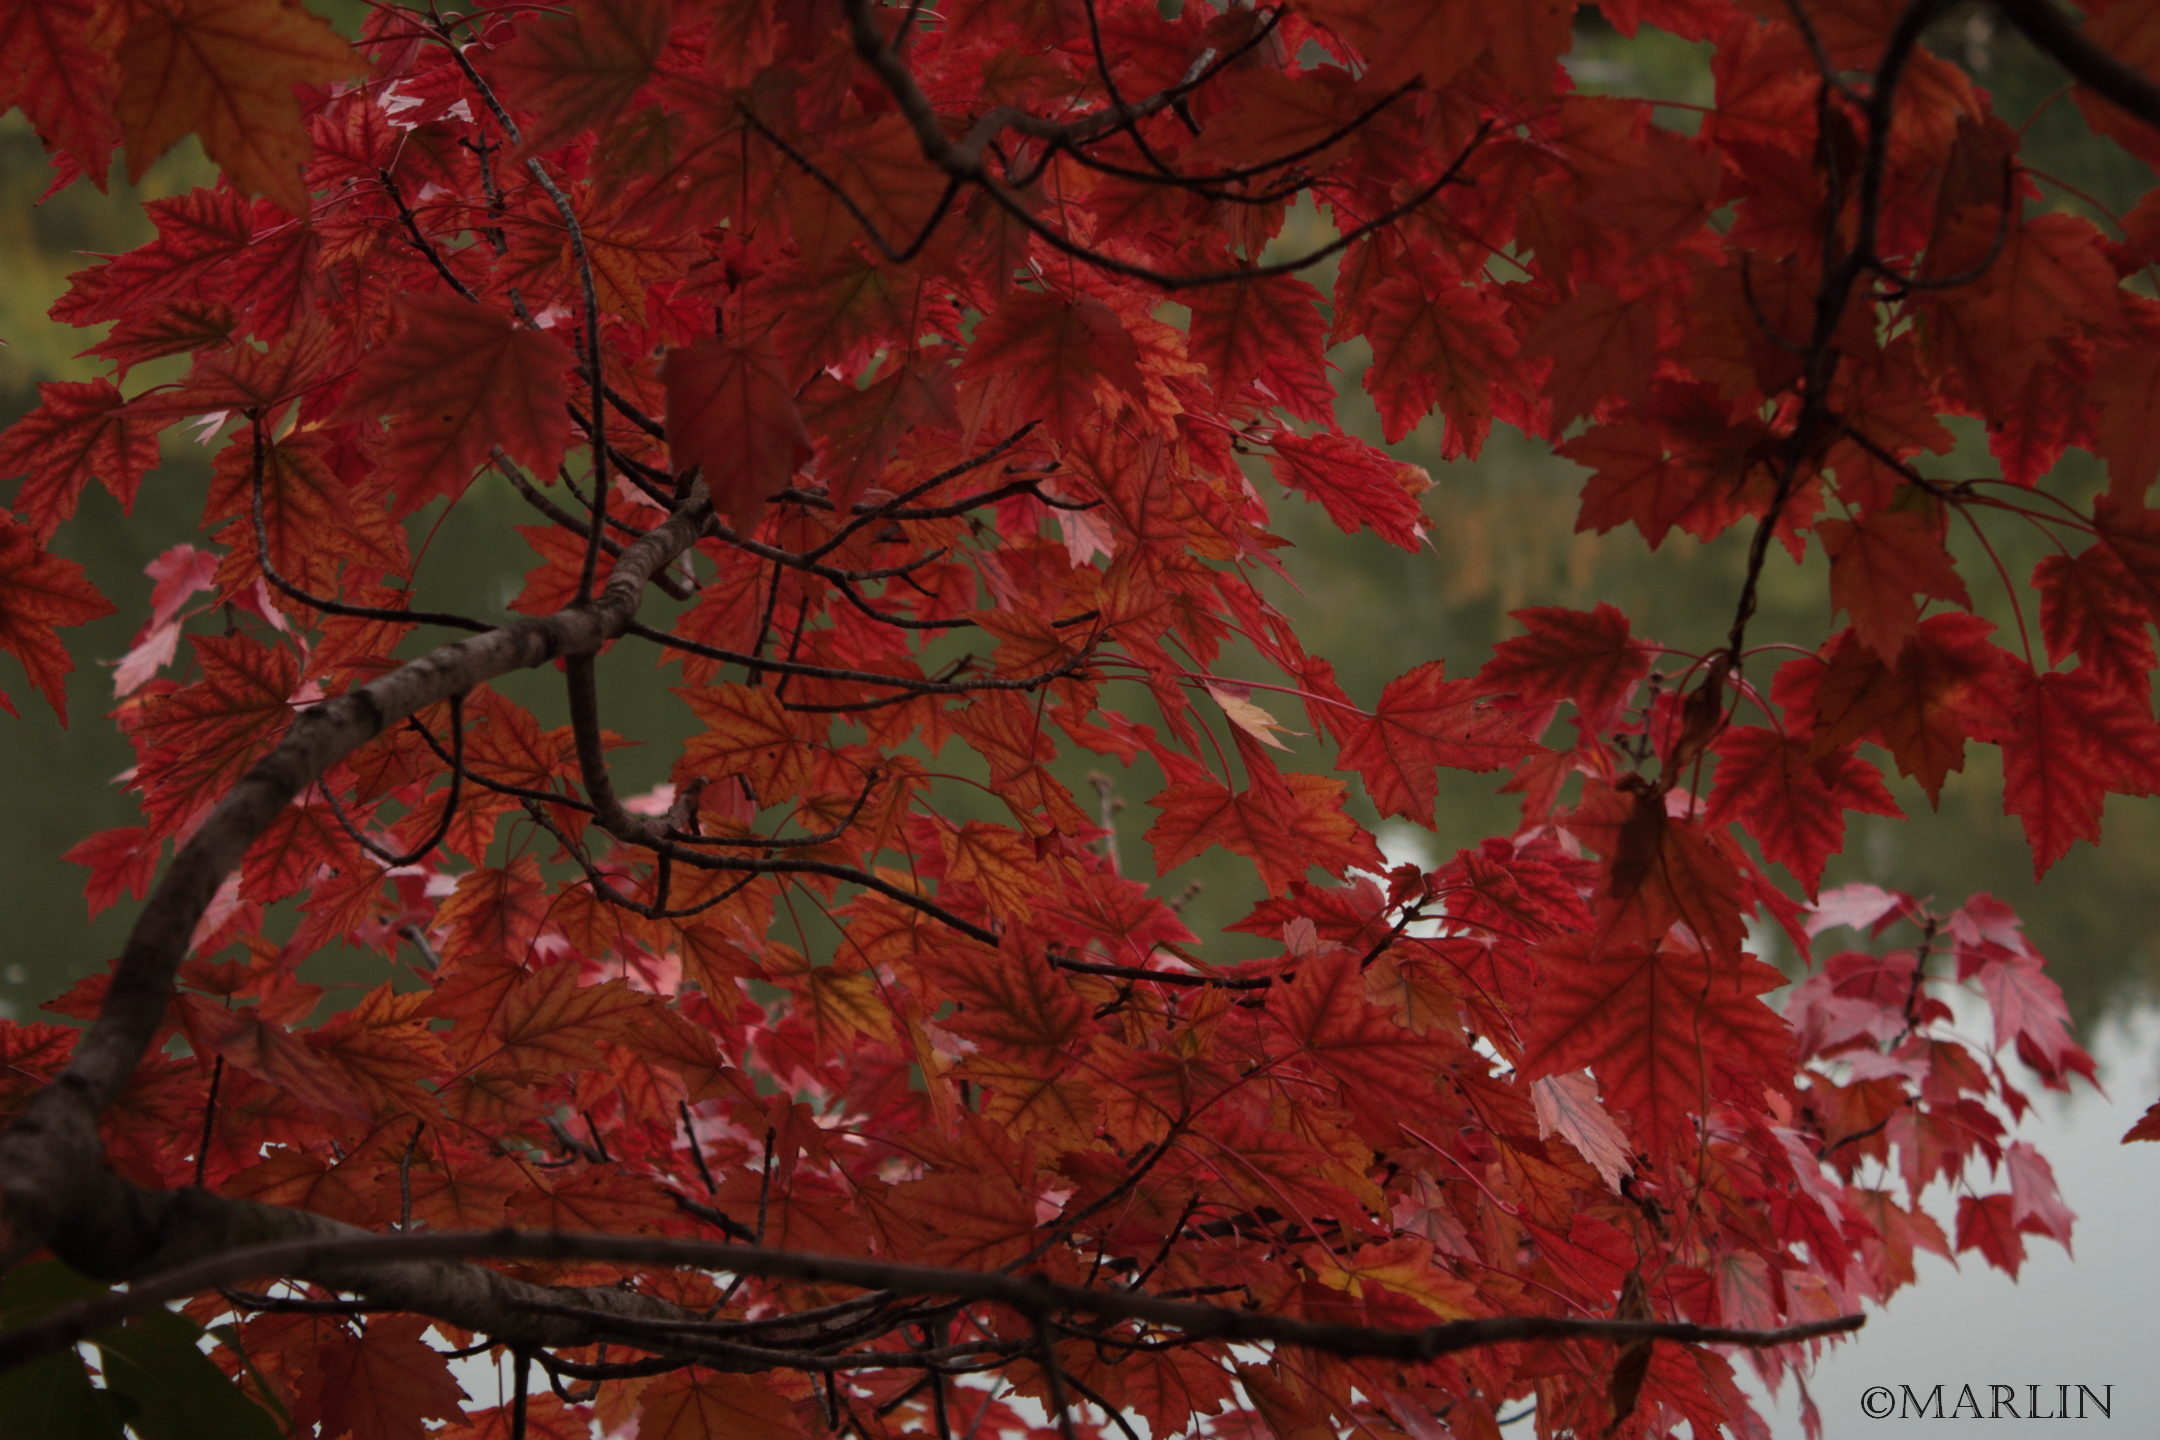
<point x="1792" y="800"/>
<point x="1585" y="657"/>
<point x="38" y="593"/>
<point x="1688" y="466"/>
<point x="1667" y="1029"/>
<point x="699" y="1405"/>
<point x="1600" y="344"/>
<point x="77" y="433"/>
<point x="1049" y="359"/>
<point x="1424" y="722"/>
<point x="212" y="245"/>
<point x="2073" y="741"/>
<point x="1949" y="683"/>
<point x="121" y="861"/>
<point x="1878" y="563"/>
<point x="1438" y="342"/>
<point x="1988" y="1224"/>
<point x="926" y="381"/>
<point x="1240" y="332"/>
<point x="1360" y="487"/>
<point x="1664" y="869"/>
<point x="1284" y="823"/>
<point x="578" y="69"/>
<point x="458" y="380"/>
<point x="385" y="1384"/>
<point x="2091" y="609"/>
<point x="55" y="62"/>
<point x="732" y="414"/>
<point x="226" y="69"/>
<point x="195" y="741"/>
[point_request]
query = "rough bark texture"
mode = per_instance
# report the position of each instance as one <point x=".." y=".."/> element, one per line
<point x="53" y="1189"/>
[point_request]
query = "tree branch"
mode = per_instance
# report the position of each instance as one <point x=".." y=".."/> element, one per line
<point x="421" y="1273"/>
<point x="52" y="1151"/>
<point x="1821" y="352"/>
<point x="2089" y="65"/>
<point x="963" y="161"/>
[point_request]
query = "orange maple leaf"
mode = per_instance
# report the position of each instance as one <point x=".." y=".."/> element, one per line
<point x="270" y="1052"/>
<point x="745" y="736"/>
<point x="225" y="69"/>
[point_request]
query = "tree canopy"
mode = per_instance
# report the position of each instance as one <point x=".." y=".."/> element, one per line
<point x="920" y="386"/>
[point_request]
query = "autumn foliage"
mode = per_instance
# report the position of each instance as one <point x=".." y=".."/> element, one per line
<point x="917" y="384"/>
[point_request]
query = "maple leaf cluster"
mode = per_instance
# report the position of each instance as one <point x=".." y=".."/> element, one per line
<point x="932" y="374"/>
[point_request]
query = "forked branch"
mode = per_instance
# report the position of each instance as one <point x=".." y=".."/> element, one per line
<point x="52" y="1152"/>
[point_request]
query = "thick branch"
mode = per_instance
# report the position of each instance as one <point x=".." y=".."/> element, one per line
<point x="52" y="1150"/>
<point x="416" y="1268"/>
<point x="123" y="1232"/>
